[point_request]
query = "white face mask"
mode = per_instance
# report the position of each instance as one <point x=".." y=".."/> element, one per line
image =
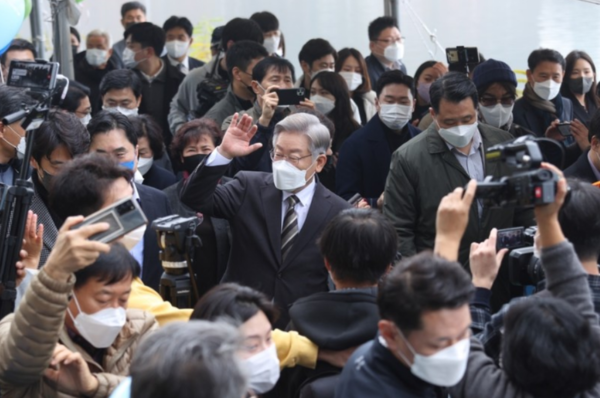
<point x="96" y="57"/>
<point x="498" y="115"/>
<point x="323" y="105"/>
<point x="121" y="110"/>
<point x="353" y="79"/>
<point x="458" y="136"/>
<point x="394" y="52"/>
<point x="548" y="89"/>
<point x="101" y="328"/>
<point x="176" y="48"/>
<point x="395" y="116"/>
<point x="86" y="119"/>
<point x="271" y="44"/>
<point x="20" y="149"/>
<point x="263" y="370"/>
<point x="445" y="368"/>
<point x="129" y="58"/>
<point x="144" y="165"/>
<point x="133" y="238"/>
<point x="287" y="177"/>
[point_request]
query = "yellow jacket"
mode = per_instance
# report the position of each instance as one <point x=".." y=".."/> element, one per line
<point x="292" y="349"/>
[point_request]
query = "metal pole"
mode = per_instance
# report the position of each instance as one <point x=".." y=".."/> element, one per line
<point x="391" y="8"/>
<point x="62" y="38"/>
<point x="37" y="34"/>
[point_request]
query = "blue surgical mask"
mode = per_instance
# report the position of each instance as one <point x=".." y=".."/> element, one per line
<point x="128" y="165"/>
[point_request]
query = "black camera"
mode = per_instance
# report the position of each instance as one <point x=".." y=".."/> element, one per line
<point x="463" y="59"/>
<point x="177" y="240"/>
<point x="210" y="91"/>
<point x="524" y="268"/>
<point x="529" y="186"/>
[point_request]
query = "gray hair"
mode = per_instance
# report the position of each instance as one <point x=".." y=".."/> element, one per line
<point x="303" y="123"/>
<point x="101" y="33"/>
<point x="195" y="359"/>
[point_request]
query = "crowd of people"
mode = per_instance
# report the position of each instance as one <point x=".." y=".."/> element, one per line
<point x="345" y="251"/>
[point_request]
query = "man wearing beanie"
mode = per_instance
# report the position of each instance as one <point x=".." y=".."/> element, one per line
<point x="497" y="88"/>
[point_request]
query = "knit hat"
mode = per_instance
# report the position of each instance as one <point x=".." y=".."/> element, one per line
<point x="492" y="71"/>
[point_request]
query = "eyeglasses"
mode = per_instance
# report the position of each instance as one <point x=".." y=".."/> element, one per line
<point x="292" y="159"/>
<point x="491" y="101"/>
<point x="392" y="41"/>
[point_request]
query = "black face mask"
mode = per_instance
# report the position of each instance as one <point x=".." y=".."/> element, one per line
<point x="74" y="49"/>
<point x="581" y="85"/>
<point x="191" y="162"/>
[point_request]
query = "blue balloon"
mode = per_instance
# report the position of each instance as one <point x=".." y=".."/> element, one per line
<point x="13" y="12"/>
<point x="4" y="49"/>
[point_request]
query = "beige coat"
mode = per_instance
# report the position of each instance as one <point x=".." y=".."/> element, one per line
<point x="28" y="338"/>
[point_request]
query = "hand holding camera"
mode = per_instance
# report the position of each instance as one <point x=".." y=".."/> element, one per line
<point x="546" y="216"/>
<point x="270" y="102"/>
<point x="485" y="261"/>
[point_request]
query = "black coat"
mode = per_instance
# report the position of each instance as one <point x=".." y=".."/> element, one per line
<point x="527" y="116"/>
<point x="582" y="169"/>
<point x="159" y="178"/>
<point x="364" y="161"/>
<point x="91" y="77"/>
<point x="155" y="205"/>
<point x="194" y="63"/>
<point x="373" y="371"/>
<point x="252" y="205"/>
<point x="333" y="321"/>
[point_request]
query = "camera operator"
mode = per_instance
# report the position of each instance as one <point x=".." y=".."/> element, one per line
<point x="550" y="342"/>
<point x="582" y="228"/>
<point x="12" y="136"/>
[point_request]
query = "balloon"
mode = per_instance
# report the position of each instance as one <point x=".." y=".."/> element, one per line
<point x="27" y="9"/>
<point x="2" y="51"/>
<point x="12" y="12"/>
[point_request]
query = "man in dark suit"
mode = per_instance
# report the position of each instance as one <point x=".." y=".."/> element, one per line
<point x="440" y="159"/>
<point x="113" y="134"/>
<point x="160" y="79"/>
<point x="57" y="141"/>
<point x="275" y="219"/>
<point x="364" y="160"/>
<point x="587" y="166"/>
<point x="178" y="32"/>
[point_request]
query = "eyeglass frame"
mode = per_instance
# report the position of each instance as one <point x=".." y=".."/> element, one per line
<point x="292" y="160"/>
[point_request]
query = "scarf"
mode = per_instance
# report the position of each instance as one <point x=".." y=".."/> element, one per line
<point x="544" y="109"/>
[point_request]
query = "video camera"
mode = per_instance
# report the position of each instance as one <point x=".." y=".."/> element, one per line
<point x="529" y="186"/>
<point x="177" y="241"/>
<point x="462" y="59"/>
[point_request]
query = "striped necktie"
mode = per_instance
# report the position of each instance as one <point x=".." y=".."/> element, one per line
<point x="290" y="226"/>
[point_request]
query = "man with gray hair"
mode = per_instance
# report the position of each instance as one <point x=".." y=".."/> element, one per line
<point x="275" y="218"/>
<point x="94" y="63"/>
<point x="196" y="359"/>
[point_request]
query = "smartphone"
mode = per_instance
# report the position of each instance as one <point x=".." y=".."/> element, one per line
<point x="291" y="96"/>
<point x="564" y="129"/>
<point x="510" y="238"/>
<point x="123" y="216"/>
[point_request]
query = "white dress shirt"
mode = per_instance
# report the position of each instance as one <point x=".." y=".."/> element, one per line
<point x="305" y="196"/>
<point x="186" y="64"/>
<point x="137" y="251"/>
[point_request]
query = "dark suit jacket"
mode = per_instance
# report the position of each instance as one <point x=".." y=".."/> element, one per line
<point x="159" y="178"/>
<point x="524" y="115"/>
<point x="364" y="161"/>
<point x="155" y="205"/>
<point x="253" y="205"/>
<point x="194" y="63"/>
<point x="582" y="169"/>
